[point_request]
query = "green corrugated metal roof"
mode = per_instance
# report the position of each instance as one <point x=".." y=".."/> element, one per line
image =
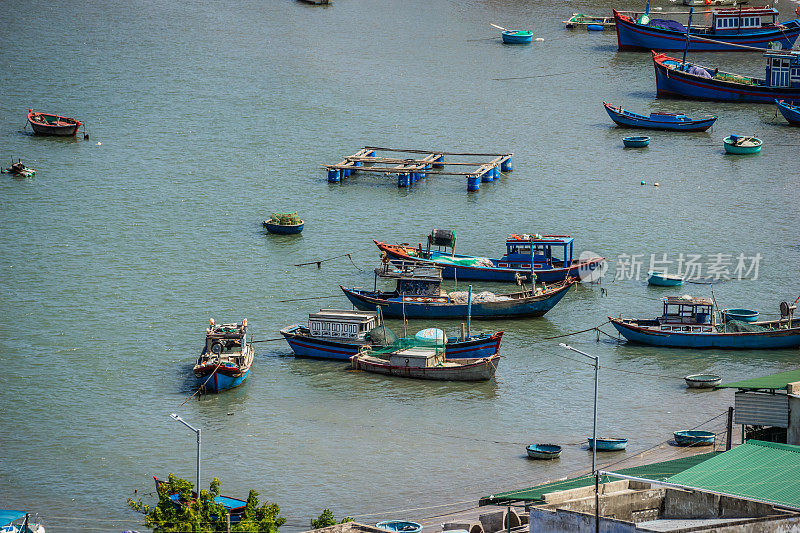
<point x="656" y="471"/>
<point x="756" y="469"/>
<point x="774" y="382"/>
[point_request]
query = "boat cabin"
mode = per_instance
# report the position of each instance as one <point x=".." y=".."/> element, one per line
<point x="743" y="19"/>
<point x="783" y="68"/>
<point x="417" y="358"/>
<point x="342" y="323"/>
<point x="546" y="251"/>
<point x="687" y="310"/>
<point x="225" y="339"/>
<point x="420" y="282"/>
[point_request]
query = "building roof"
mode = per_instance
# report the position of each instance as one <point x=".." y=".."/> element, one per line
<point x="656" y="471"/>
<point x="758" y="470"/>
<point x="773" y="382"/>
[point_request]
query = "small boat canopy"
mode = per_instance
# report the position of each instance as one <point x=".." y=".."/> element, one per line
<point x="8" y="516"/>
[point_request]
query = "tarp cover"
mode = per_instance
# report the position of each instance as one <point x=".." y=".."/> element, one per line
<point x="667" y="25"/>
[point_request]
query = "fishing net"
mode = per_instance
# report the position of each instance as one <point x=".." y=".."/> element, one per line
<point x="381" y="336"/>
<point x="737" y="326"/>
<point x="463" y="261"/>
<point x="667" y="25"/>
<point x="285" y="219"/>
<point x="460" y="297"/>
<point x="404" y="343"/>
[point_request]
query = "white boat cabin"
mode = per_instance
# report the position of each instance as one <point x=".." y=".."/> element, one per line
<point x="417" y="358"/>
<point x="687" y="310"/>
<point x="783" y="68"/>
<point x="342" y="323"/>
<point x="735" y="20"/>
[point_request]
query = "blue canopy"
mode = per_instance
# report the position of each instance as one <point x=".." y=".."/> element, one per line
<point x="667" y="25"/>
<point x="8" y="516"/>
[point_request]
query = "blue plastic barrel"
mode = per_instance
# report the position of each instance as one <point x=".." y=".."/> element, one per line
<point x="473" y="183"/>
<point x="507" y="165"/>
<point x="496" y="173"/>
<point x="333" y="176"/>
<point x="439" y="158"/>
<point x="346" y="172"/>
<point x="594" y="27"/>
<point x="488" y="176"/>
<point x="403" y="180"/>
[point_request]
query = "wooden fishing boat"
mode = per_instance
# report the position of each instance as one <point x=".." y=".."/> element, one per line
<point x="755" y="27"/>
<point x="688" y="80"/>
<point x="658" y="121"/>
<point x="745" y="315"/>
<point x="418" y="294"/>
<point x="226" y="357"/>
<point x="517" y="36"/>
<point x="339" y="334"/>
<point x="689" y="322"/>
<point x="234" y="506"/>
<point x="284" y="224"/>
<point x="18" y="169"/>
<point x="737" y="144"/>
<point x="49" y="124"/>
<point x="549" y="256"/>
<point x="636" y="141"/>
<point x="661" y="279"/>
<point x="694" y="438"/>
<point x="543" y="451"/>
<point x="579" y="19"/>
<point x="789" y="111"/>
<point x="425" y="363"/>
<point x="702" y="381"/>
<point x="399" y="526"/>
<point x="608" y="445"/>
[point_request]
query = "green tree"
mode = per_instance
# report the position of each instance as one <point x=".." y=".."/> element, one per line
<point x="327" y="519"/>
<point x="203" y="515"/>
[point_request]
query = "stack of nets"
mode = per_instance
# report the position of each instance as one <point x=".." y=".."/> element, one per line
<point x="460" y="297"/>
<point x="403" y="343"/>
<point x="285" y="219"/>
<point x="737" y="326"/>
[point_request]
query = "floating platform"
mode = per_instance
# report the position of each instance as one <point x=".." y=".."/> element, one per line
<point x="419" y="164"/>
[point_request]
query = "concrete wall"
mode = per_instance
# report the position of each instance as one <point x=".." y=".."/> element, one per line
<point x="793" y="431"/>
<point x="684" y="504"/>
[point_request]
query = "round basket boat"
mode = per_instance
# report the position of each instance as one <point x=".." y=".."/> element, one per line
<point x="543" y="451"/>
<point x="636" y="141"/>
<point x="736" y="144"/>
<point x="517" y="37"/>
<point x="702" y="381"/>
<point x="609" y="445"/>
<point x="403" y="526"/>
<point x="694" y="438"/>
<point x="745" y="315"/>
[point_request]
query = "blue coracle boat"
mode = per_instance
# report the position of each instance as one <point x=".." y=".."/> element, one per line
<point x="419" y="295"/>
<point x="689" y="322"/>
<point x="543" y="451"/>
<point x="694" y="438"/>
<point x="658" y="121"/>
<point x="226" y="357"/>
<point x="674" y="79"/>
<point x="551" y="255"/>
<point x="662" y="279"/>
<point x="400" y="526"/>
<point x="636" y="142"/>
<point x="340" y="334"/>
<point x="609" y="445"/>
<point x="517" y="37"/>
<point x="750" y="26"/>
<point x="789" y="111"/>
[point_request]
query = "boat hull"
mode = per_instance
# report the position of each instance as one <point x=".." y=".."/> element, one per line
<point x="484" y="273"/>
<point x="789" y="112"/>
<point x="220" y="380"/>
<point x="67" y="127"/>
<point x="473" y="370"/>
<point x="664" y="281"/>
<point x="673" y="83"/>
<point x="517" y="308"/>
<point x="694" y="438"/>
<point x="773" y="339"/>
<point x="543" y="451"/>
<point x="640" y="121"/>
<point x="633" y="36"/>
<point x="609" y="445"/>
<point x="515" y="38"/>
<point x="315" y="348"/>
<point x="732" y="148"/>
<point x="284" y="230"/>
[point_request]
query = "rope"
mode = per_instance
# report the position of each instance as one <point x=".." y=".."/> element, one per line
<point x="576" y="332"/>
<point x="201" y="386"/>
<point x="268" y="340"/>
<point x="319" y="263"/>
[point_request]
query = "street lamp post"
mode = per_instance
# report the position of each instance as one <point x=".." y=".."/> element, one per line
<point x="594" y="436"/>
<point x="196" y="430"/>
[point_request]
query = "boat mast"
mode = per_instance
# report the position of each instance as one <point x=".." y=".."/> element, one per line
<point x="686" y="48"/>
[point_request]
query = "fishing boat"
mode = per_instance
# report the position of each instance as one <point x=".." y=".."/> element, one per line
<point x="662" y="279"/>
<point x="419" y="294"/>
<point x="702" y="381"/>
<point x="422" y="362"/>
<point x="517" y="36"/>
<point x="401" y="526"/>
<point x="691" y="322"/>
<point x="49" y="124"/>
<point x="789" y="111"/>
<point x="18" y="522"/>
<point x="696" y="3"/>
<point x="549" y="256"/>
<point x="339" y="334"/>
<point x="284" y="224"/>
<point x="234" y="506"/>
<point x="754" y="27"/>
<point x="636" y="141"/>
<point x="676" y="79"/>
<point x="579" y="19"/>
<point x="226" y="357"/>
<point x="694" y="438"/>
<point x="18" y="169"/>
<point x="738" y="144"/>
<point x="608" y="445"/>
<point x="658" y="121"/>
<point x="543" y="451"/>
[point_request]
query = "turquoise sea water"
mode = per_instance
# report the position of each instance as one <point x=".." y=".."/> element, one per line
<point x="206" y="117"/>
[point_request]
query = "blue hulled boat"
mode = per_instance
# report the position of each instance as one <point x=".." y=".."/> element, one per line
<point x="419" y="295"/>
<point x="692" y="323"/>
<point x="662" y="279"/>
<point x="789" y="111"/>
<point x="608" y="445"/>
<point x="517" y="37"/>
<point x="550" y="257"/>
<point x="226" y="357"/>
<point x="750" y="26"/>
<point x="340" y="334"/>
<point x="658" y="121"/>
<point x="675" y="79"/>
<point x="694" y="438"/>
